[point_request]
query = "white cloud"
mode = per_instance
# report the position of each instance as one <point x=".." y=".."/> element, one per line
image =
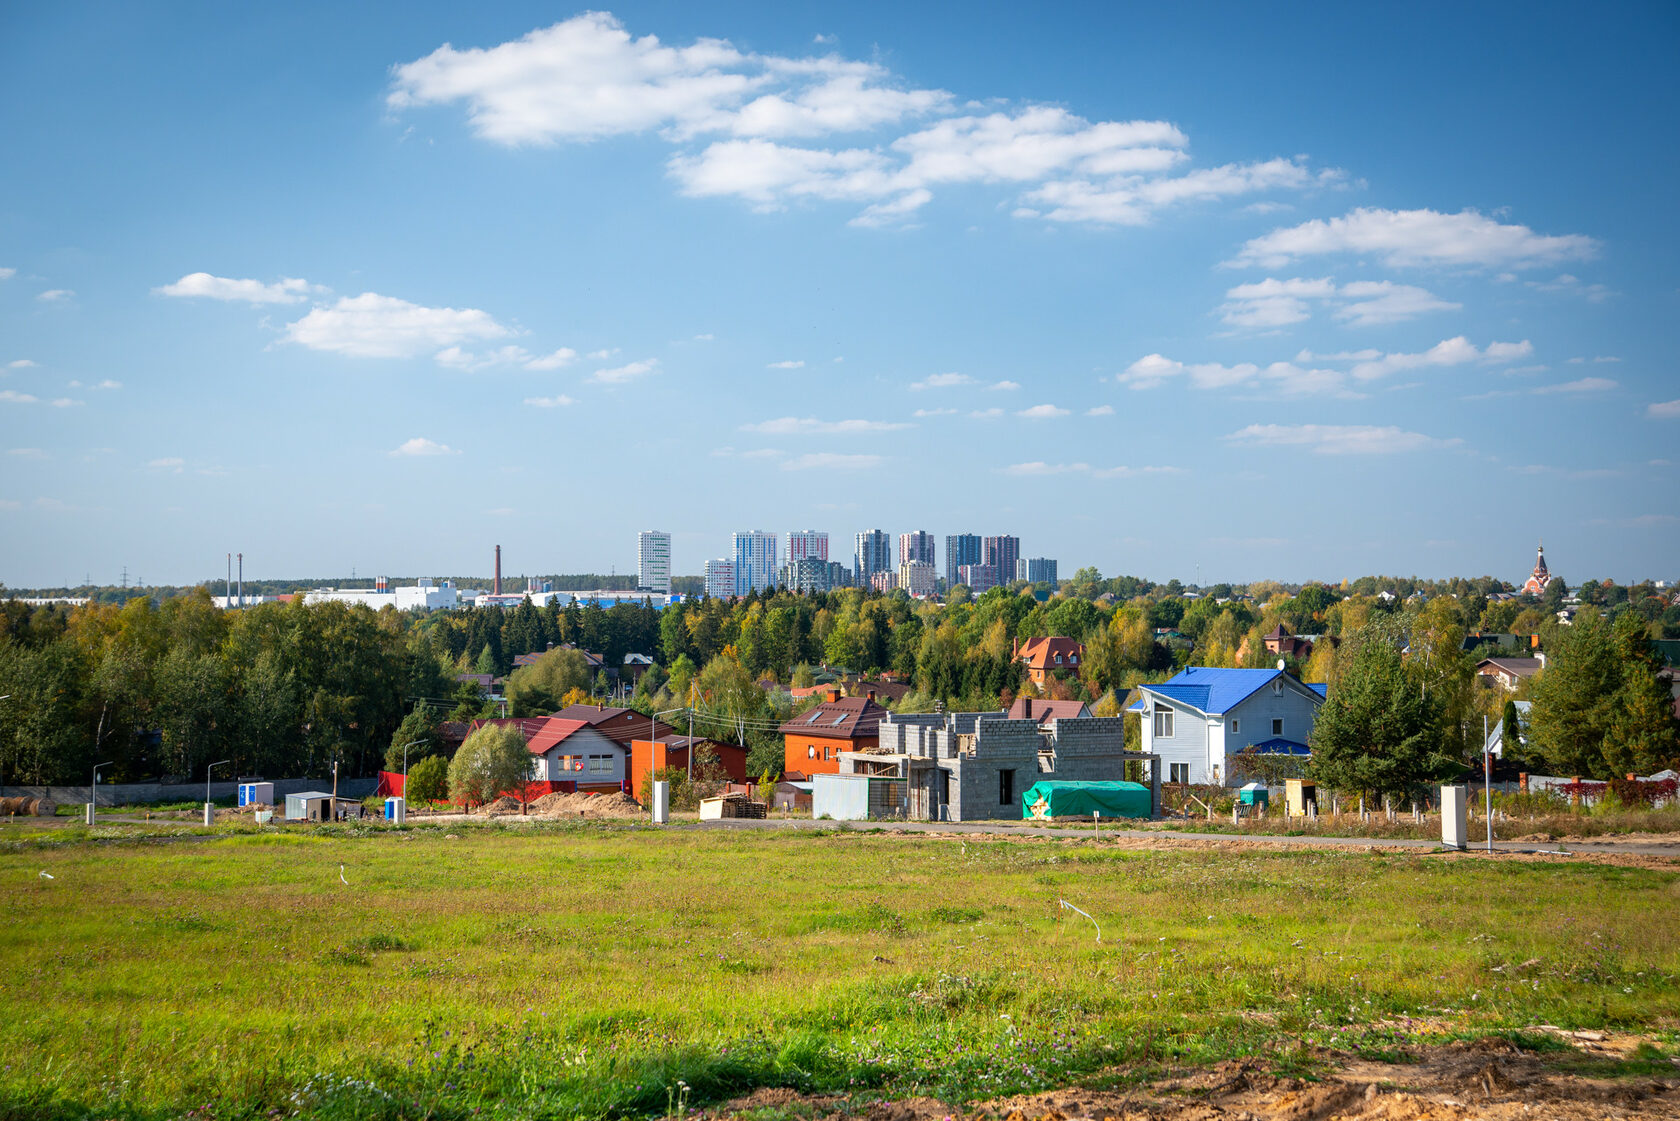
<point x="831" y="461"/>
<point x="934" y="412"/>
<point x="55" y="295"/>
<point x="1131" y="200"/>
<point x="756" y="453"/>
<point x="457" y="358"/>
<point x="65" y="403"/>
<point x="1362" y="303"/>
<point x="286" y="290"/>
<point x="986" y="414"/>
<point x="1289" y="378"/>
<point x="375" y="326"/>
<point x="1401" y="238"/>
<point x="1043" y="412"/>
<point x="1455" y="351"/>
<point x="422" y="446"/>
<point x="588" y="77"/>
<point x="706" y="338"/>
<point x="167" y="463"/>
<point x="553" y="360"/>
<point x="796" y="426"/>
<point x="16" y="398"/>
<point x="598" y="355"/>
<point x="942" y="381"/>
<point x="20" y="364"/>
<point x="1040" y="468"/>
<point x="27" y="453"/>
<point x="788" y="364"/>
<point x="7" y="273"/>
<point x="1004" y="386"/>
<point x="556" y="402"/>
<point x="1338" y="439"/>
<point x="618" y="375"/>
<point x="10" y="503"/>
<point x="109" y="383"/>
<point x="1100" y="410"/>
<point x="1661" y="410"/>
<point x="1580" y="385"/>
<point x="1571" y="286"/>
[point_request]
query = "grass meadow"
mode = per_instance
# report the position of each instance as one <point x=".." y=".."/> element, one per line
<point x="560" y="970"/>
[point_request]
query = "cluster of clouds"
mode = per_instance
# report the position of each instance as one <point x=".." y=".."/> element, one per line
<point x="1273" y="303"/>
<point x="375" y="326"/>
<point x="806" y="461"/>
<point x="1338" y="375"/>
<point x="764" y="128"/>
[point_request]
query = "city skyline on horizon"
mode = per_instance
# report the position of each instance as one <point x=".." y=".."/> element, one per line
<point x="1123" y="280"/>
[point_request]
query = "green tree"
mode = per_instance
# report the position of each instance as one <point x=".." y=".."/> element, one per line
<point x="1378" y="732"/>
<point x="492" y="761"/>
<point x="428" y="780"/>
<point x="537" y="689"/>
<point x="1573" y="698"/>
<point x="420" y="725"/>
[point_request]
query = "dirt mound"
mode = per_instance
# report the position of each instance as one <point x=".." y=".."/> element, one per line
<point x="1482" y="1079"/>
<point x="501" y="807"/>
<point x="615" y="804"/>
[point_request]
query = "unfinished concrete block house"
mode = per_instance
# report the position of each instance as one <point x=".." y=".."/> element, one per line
<point x="967" y="766"/>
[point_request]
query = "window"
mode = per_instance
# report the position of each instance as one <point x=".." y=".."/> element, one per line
<point x="1058" y="659"/>
<point x="1006" y="787"/>
<point x="1235" y="724"/>
<point x="571" y="762"/>
<point x="1179" y="772"/>
<point x="600" y="764"/>
<point x="1163" y="722"/>
<point x="1277" y="725"/>
<point x="1073" y="659"/>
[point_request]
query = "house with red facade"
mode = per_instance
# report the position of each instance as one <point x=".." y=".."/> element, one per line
<point x="1044" y="656"/>
<point x="813" y="740"/>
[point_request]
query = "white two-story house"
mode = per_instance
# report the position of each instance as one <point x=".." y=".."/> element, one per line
<point x="1195" y="721"/>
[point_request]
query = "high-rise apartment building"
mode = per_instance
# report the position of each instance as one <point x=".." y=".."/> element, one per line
<point x="873" y="554"/>
<point x="756" y="561"/>
<point x="1036" y="570"/>
<point x="919" y="578"/>
<point x="960" y="549"/>
<point x="720" y="578"/>
<point x="1000" y="554"/>
<point x="915" y="548"/>
<point x="807" y="543"/>
<point x="978" y="577"/>
<point x="653" y="562"/>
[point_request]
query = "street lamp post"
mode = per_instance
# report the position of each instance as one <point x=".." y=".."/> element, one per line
<point x="406" y="746"/>
<point x="653" y="738"/>
<point x="209" y="808"/>
<point x="93" y="793"/>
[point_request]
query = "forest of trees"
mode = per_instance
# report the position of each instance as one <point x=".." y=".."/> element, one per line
<point x="161" y="688"/>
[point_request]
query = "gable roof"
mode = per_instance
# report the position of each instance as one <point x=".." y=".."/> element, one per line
<point x="1216" y="691"/>
<point x="1040" y="653"/>
<point x="542" y="733"/>
<point x="620" y="725"/>
<point x="847" y="718"/>
<point x="1516" y="667"/>
<point x="1045" y="711"/>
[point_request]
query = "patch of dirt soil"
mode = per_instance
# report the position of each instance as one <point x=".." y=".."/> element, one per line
<point x="1485" y="1080"/>
<point x="501" y="807"/>
<point x="615" y="804"/>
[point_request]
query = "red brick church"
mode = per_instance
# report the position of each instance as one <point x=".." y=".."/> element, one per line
<point x="1540" y="577"/>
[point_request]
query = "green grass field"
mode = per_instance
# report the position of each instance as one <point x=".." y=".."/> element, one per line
<point x="594" y="970"/>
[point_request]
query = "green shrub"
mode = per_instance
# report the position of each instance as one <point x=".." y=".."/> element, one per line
<point x="428" y="780"/>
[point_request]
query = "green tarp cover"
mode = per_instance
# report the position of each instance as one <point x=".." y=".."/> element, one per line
<point x="1050" y="799"/>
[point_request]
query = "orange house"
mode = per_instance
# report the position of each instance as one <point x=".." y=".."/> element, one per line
<point x="812" y="741"/>
<point x="1044" y="656"/>
<point x="672" y="754"/>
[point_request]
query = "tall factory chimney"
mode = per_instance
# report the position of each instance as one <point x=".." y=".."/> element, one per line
<point x="498" y="588"/>
<point x="242" y="579"/>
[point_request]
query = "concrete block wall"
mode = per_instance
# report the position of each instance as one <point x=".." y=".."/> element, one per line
<point x="1097" y="735"/>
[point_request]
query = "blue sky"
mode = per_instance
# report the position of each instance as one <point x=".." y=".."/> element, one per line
<point x="1207" y="290"/>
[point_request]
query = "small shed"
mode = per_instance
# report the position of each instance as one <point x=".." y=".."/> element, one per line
<point x="1254" y="794"/>
<point x="1299" y="795"/>
<point x="256" y="794"/>
<point x="1061" y="798"/>
<point x="309" y="805"/>
<point x="856" y="797"/>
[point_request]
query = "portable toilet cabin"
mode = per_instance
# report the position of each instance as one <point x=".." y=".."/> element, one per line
<point x="310" y="805"/>
<point x="1301" y="795"/>
<point x="256" y="793"/>
<point x="396" y="809"/>
<point x="1254" y="794"/>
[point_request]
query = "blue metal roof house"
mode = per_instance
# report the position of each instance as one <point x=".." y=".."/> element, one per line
<point x="1200" y="718"/>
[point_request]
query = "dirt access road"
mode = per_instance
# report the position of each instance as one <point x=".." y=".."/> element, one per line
<point x="1487" y="1079"/>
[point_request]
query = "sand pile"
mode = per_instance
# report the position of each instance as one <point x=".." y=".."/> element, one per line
<point x="501" y="807"/>
<point x="616" y="804"/>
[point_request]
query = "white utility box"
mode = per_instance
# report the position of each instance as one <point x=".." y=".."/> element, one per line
<point x="396" y="810"/>
<point x="1455" y="832"/>
<point x="661" y="803"/>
